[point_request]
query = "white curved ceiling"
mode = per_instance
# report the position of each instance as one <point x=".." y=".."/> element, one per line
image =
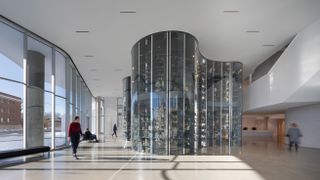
<point x="222" y="35"/>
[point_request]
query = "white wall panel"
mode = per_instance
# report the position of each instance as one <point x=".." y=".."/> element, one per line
<point x="292" y="79"/>
<point x="307" y="118"/>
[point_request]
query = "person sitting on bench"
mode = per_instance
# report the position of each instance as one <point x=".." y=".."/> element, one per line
<point x="89" y="136"/>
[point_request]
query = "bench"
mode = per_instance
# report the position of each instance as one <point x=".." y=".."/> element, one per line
<point x="23" y="152"/>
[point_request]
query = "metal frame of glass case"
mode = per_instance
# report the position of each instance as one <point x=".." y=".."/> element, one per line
<point x="182" y="102"/>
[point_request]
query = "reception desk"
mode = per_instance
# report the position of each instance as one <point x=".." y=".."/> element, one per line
<point x="256" y="133"/>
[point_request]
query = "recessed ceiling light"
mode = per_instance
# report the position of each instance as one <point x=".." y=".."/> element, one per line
<point x="253" y="31"/>
<point x="94" y="69"/>
<point x="128" y="12"/>
<point x="118" y="69"/>
<point x="96" y="79"/>
<point x="89" y="56"/>
<point x="266" y="45"/>
<point x="231" y="11"/>
<point x="82" y="31"/>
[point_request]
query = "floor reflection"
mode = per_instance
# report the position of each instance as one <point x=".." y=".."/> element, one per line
<point x="257" y="159"/>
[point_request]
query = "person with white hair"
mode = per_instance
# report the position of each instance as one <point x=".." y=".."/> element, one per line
<point x="294" y="134"/>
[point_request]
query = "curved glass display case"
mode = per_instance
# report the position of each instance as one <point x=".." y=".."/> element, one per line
<point x="182" y="102"/>
<point x="126" y="100"/>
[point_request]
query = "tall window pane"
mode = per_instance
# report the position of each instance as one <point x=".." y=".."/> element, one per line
<point x="93" y="114"/>
<point x="78" y="93"/>
<point x="46" y="51"/>
<point x="47" y="120"/>
<point x="74" y="88"/>
<point x="39" y="73"/>
<point x="60" y="74"/>
<point x="11" y="53"/>
<point x="60" y="121"/>
<point x="82" y="106"/>
<point x="69" y="81"/>
<point x="11" y="113"/>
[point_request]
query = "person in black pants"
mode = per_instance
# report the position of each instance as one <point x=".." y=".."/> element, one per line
<point x="115" y="130"/>
<point x="89" y="136"/>
<point x="74" y="133"/>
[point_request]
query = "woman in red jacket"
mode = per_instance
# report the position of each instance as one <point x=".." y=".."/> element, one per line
<point x="74" y="133"/>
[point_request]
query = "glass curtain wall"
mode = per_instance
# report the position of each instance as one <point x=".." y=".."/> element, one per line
<point x="39" y="80"/>
<point x="40" y="90"/>
<point x="183" y="103"/>
<point x="88" y="109"/>
<point x="94" y="112"/>
<point x="12" y="86"/>
<point x="60" y="121"/>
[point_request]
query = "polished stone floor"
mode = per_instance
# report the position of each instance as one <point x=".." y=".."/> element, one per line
<point x="273" y="160"/>
<point x="258" y="159"/>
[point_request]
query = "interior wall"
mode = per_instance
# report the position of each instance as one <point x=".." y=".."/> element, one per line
<point x="294" y="77"/>
<point x="111" y="114"/>
<point x="265" y="124"/>
<point x="265" y="66"/>
<point x="259" y="124"/>
<point x="272" y="125"/>
<point x="307" y="118"/>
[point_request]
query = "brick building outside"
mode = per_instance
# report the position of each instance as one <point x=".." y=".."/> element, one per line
<point x="10" y="112"/>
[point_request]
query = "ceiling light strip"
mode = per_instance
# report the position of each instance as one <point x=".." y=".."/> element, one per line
<point x="128" y="12"/>
<point x="82" y="31"/>
<point x="231" y="11"/>
<point x="253" y="31"/>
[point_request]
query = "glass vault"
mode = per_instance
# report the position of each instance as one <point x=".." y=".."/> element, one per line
<point x="182" y="102"/>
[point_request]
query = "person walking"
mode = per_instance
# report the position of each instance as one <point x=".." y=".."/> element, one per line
<point x="294" y="134"/>
<point x="74" y="133"/>
<point x="115" y="130"/>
